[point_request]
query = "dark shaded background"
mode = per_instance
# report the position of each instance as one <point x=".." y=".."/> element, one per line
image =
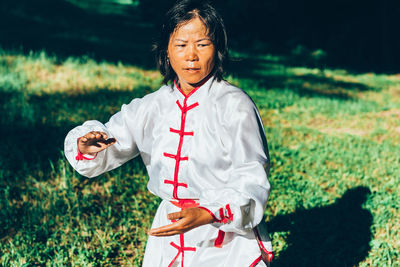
<point x="357" y="35"/>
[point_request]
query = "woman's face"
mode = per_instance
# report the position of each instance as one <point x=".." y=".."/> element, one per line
<point x="191" y="53"/>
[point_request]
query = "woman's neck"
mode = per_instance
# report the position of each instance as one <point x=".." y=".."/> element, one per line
<point x="187" y="88"/>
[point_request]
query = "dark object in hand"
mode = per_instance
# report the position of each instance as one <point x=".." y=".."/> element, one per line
<point x="94" y="142"/>
<point x="108" y="141"/>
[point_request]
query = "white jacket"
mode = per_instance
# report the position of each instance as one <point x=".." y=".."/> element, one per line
<point x="207" y="148"/>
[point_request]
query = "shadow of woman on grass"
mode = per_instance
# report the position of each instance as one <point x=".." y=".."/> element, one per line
<point x="334" y="235"/>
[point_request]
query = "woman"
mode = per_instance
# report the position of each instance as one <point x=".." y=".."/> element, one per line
<point x="203" y="145"/>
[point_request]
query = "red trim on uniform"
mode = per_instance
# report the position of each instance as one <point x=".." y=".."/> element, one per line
<point x="221" y="234"/>
<point x="176" y="157"/>
<point x="179" y="89"/>
<point x="195" y="89"/>
<point x="177" y="255"/>
<point x="179" y="105"/>
<point x="220" y="239"/>
<point x="180" y="132"/>
<point x="209" y="211"/>
<point x="181" y="249"/>
<point x="182" y="203"/>
<point x="270" y="254"/>
<point x="186" y="203"/>
<point x="230" y="214"/>
<point x="80" y="156"/>
<point x="186" y="108"/>
<point x="222" y="216"/>
<point x="175" y="184"/>
<point x="255" y="262"/>
<point x="190" y="107"/>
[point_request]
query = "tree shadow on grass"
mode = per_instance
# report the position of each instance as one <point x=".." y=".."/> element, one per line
<point x="33" y="127"/>
<point x="334" y="235"/>
<point x="272" y="74"/>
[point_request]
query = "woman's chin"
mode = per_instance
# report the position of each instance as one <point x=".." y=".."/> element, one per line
<point x="194" y="80"/>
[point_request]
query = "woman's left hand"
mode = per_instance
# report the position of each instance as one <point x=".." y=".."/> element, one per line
<point x="186" y="220"/>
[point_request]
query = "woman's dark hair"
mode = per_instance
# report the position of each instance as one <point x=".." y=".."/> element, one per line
<point x="180" y="13"/>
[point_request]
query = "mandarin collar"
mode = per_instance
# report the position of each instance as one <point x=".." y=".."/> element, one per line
<point x="197" y="94"/>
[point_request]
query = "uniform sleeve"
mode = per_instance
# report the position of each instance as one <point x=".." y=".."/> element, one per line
<point x="124" y="126"/>
<point x="240" y="205"/>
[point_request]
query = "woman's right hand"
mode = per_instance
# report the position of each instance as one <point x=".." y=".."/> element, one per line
<point x="94" y="142"/>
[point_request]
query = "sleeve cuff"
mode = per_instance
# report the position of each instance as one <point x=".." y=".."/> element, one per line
<point x="81" y="156"/>
<point x="220" y="214"/>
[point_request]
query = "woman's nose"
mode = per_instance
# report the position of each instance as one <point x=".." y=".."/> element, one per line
<point x="191" y="53"/>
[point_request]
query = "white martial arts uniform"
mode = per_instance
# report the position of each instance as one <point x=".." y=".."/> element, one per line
<point x="206" y="149"/>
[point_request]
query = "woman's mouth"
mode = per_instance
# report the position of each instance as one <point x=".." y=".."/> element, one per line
<point x="192" y="70"/>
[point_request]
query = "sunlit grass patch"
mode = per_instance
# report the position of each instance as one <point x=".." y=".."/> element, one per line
<point x="372" y="80"/>
<point x="45" y="74"/>
<point x="377" y="126"/>
<point x="388" y="98"/>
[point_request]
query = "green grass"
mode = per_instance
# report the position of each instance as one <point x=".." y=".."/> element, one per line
<point x="333" y="139"/>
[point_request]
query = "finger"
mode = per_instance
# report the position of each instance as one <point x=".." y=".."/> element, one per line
<point x="94" y="134"/>
<point x="178" y="230"/>
<point x="176" y="226"/>
<point x="175" y="215"/>
<point x="89" y="136"/>
<point x="104" y="135"/>
<point x="169" y="233"/>
<point x="160" y="230"/>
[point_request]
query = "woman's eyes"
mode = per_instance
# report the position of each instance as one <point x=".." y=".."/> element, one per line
<point x="199" y="45"/>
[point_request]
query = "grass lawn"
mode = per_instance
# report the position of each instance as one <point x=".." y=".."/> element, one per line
<point x="334" y="145"/>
